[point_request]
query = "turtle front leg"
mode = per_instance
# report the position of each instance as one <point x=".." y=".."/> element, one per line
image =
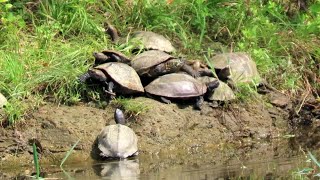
<point x="111" y="87"/>
<point x="109" y="91"/>
<point x="199" y="103"/>
<point x="165" y="100"/>
<point x="83" y="78"/>
<point x="188" y="69"/>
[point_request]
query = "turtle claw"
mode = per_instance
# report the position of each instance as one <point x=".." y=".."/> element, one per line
<point x="165" y="100"/>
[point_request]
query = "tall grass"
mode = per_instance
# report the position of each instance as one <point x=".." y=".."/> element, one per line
<point x="45" y="45"/>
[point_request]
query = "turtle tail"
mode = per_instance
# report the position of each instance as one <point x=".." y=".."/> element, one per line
<point x="83" y="78"/>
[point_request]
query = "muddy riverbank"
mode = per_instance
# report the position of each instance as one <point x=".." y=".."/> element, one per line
<point x="163" y="129"/>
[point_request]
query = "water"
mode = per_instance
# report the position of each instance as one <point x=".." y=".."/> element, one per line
<point x="269" y="160"/>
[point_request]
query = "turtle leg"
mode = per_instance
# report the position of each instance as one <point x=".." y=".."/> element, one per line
<point x="207" y="72"/>
<point x="188" y="69"/>
<point x="83" y="78"/>
<point x="109" y="91"/>
<point x="213" y="85"/>
<point x="199" y="103"/>
<point x="165" y="100"/>
<point x="111" y="87"/>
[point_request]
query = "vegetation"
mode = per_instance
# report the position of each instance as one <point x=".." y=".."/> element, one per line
<point x="45" y="45"/>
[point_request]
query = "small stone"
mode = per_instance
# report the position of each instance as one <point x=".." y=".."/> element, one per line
<point x="279" y="100"/>
<point x="3" y="101"/>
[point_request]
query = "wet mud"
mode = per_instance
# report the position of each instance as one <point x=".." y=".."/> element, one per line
<point x="163" y="128"/>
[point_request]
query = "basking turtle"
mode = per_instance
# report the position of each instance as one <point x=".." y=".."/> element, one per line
<point x="221" y="93"/>
<point x="116" y="77"/>
<point x="109" y="56"/>
<point x="179" y="86"/>
<point x="237" y="67"/>
<point x="118" y="141"/>
<point x="153" y="41"/>
<point x="149" y="40"/>
<point x="154" y="63"/>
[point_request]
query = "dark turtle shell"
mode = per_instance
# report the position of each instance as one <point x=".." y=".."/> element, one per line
<point x="110" y="56"/>
<point x="144" y="61"/>
<point x="176" y="85"/>
<point x="151" y="40"/>
<point x="122" y="74"/>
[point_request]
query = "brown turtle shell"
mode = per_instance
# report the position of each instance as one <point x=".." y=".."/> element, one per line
<point x="122" y="74"/>
<point x="144" y="61"/>
<point x="242" y="67"/>
<point x="117" y="141"/>
<point x="176" y="85"/>
<point x="151" y="40"/>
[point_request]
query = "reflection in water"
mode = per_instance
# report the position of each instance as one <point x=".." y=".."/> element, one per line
<point x="260" y="161"/>
<point x="123" y="169"/>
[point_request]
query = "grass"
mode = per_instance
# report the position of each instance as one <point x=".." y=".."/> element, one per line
<point x="46" y="45"/>
<point x="132" y="106"/>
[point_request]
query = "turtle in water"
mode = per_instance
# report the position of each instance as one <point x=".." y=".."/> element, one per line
<point x="116" y="77"/>
<point x="154" y="63"/>
<point x="238" y="67"/>
<point x="118" y="140"/>
<point x="110" y="56"/>
<point x="147" y="39"/>
<point x="179" y="86"/>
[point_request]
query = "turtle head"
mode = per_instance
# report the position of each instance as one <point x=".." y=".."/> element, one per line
<point x="119" y="117"/>
<point x="97" y="74"/>
<point x="213" y="85"/>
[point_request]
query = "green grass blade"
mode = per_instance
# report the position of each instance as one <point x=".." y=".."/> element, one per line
<point x="314" y="159"/>
<point x="69" y="153"/>
<point x="36" y="161"/>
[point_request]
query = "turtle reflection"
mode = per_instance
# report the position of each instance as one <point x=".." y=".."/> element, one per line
<point x="123" y="169"/>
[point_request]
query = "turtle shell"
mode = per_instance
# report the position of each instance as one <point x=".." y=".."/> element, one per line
<point x="151" y="40"/>
<point x="144" y="61"/>
<point x="176" y="85"/>
<point x="120" y="57"/>
<point x="242" y="67"/>
<point x="222" y="93"/>
<point x="124" y="75"/>
<point x="117" y="141"/>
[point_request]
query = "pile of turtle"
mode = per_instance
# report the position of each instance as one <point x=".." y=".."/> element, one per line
<point x="158" y="74"/>
<point x="155" y="72"/>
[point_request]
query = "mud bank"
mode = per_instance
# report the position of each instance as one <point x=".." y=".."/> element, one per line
<point x="163" y="129"/>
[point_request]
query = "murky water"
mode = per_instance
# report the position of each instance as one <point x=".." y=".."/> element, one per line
<point x="263" y="161"/>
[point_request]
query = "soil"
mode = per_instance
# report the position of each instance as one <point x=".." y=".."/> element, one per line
<point x="163" y="129"/>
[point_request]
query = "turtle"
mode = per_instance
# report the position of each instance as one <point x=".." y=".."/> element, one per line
<point x="115" y="76"/>
<point x="179" y="86"/>
<point x="118" y="140"/>
<point x="152" y="41"/>
<point x="221" y="93"/>
<point x="154" y="63"/>
<point x="237" y="67"/>
<point x="110" y="56"/>
<point x="148" y="39"/>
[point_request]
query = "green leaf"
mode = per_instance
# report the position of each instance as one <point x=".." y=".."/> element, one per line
<point x="8" y="6"/>
<point x="3" y="1"/>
